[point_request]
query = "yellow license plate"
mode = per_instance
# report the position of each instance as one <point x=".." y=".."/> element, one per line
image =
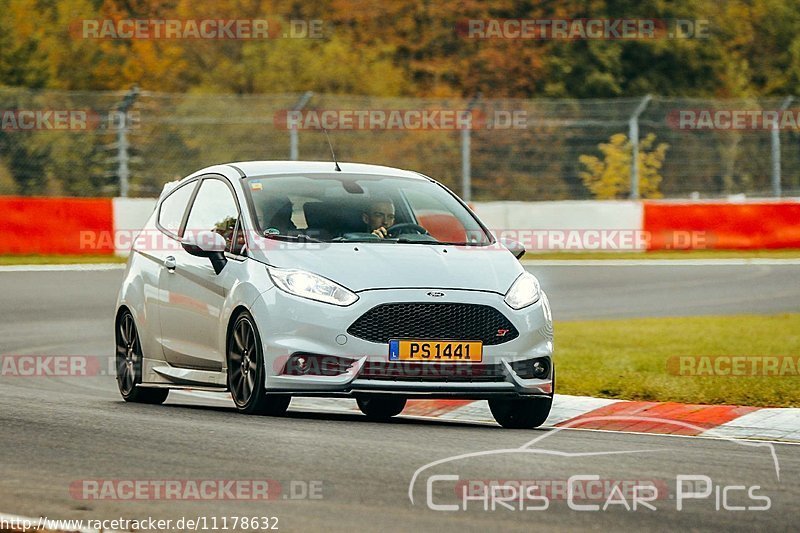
<point x="436" y="351"/>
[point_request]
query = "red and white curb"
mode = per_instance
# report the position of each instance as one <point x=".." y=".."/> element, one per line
<point x="584" y="412"/>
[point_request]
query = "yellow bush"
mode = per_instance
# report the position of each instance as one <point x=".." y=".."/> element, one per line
<point x="610" y="177"/>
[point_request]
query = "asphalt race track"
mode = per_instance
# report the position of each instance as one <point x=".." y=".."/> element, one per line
<point x="56" y="432"/>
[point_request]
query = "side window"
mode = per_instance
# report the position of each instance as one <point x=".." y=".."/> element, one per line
<point x="214" y="209"/>
<point x="435" y="217"/>
<point x="173" y="207"/>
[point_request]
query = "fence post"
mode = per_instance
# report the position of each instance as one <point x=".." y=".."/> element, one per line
<point x="466" y="147"/>
<point x="466" y="177"/>
<point x="776" y="149"/>
<point x="123" y="170"/>
<point x="293" y="136"/>
<point x="633" y="135"/>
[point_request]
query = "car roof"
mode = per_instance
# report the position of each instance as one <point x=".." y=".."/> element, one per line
<point x="307" y="168"/>
<point x="265" y="168"/>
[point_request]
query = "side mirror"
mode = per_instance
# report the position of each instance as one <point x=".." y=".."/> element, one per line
<point x="207" y="244"/>
<point x="514" y="247"/>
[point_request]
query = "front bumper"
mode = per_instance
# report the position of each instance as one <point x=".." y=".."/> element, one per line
<point x="291" y="325"/>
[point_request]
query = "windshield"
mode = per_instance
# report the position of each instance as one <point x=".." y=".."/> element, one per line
<point x="357" y="208"/>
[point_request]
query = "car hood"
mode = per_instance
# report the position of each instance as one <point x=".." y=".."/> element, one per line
<point x="363" y="266"/>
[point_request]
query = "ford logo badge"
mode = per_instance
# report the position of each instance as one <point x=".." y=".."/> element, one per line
<point x="435" y="294"/>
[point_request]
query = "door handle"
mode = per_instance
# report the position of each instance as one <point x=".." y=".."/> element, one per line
<point x="170" y="263"/>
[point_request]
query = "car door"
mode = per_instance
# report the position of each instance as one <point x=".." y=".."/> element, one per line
<point x="156" y="248"/>
<point x="192" y="294"/>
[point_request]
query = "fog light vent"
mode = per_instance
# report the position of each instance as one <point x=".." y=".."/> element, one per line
<point x="532" y="368"/>
<point x="302" y="364"/>
<point x="540" y="369"/>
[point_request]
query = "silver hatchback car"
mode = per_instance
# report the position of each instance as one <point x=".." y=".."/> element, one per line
<point x="282" y="278"/>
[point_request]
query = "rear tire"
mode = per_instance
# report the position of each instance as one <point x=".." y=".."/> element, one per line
<point x="246" y="371"/>
<point x="381" y="407"/>
<point x="129" y="364"/>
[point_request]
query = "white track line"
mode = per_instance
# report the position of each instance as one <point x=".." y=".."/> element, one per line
<point x="78" y="267"/>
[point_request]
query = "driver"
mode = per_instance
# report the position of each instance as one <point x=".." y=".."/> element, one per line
<point x="379" y="216"/>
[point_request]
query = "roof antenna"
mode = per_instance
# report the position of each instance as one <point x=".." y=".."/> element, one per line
<point x="336" y="164"/>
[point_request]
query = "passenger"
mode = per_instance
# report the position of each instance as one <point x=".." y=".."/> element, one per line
<point x="277" y="215"/>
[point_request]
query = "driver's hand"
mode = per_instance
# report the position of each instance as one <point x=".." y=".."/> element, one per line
<point x="380" y="232"/>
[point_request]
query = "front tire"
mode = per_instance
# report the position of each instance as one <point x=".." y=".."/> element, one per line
<point x="246" y="371"/>
<point x="129" y="364"/>
<point x="521" y="413"/>
<point x="381" y="407"/>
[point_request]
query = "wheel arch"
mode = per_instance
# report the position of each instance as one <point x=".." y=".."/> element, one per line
<point x="121" y="309"/>
<point x="235" y="313"/>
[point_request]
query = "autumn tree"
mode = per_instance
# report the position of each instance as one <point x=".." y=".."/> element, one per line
<point x="408" y="48"/>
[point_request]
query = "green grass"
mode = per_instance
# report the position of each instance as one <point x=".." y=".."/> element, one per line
<point x="628" y="359"/>
<point x="791" y="253"/>
<point x="58" y="259"/>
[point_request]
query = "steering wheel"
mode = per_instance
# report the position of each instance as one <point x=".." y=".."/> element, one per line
<point x="399" y="229"/>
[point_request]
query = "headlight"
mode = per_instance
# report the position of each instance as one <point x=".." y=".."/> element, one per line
<point x="524" y="292"/>
<point x="311" y="286"/>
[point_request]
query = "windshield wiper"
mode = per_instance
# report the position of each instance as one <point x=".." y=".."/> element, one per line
<point x="412" y="241"/>
<point x="292" y="238"/>
<point x="416" y="241"/>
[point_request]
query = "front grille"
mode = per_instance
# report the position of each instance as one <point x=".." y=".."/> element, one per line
<point x="427" y="372"/>
<point x="440" y="321"/>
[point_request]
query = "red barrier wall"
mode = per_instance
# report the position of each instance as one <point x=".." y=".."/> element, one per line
<point x="723" y="225"/>
<point x="55" y="225"/>
<point x="86" y="225"/>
